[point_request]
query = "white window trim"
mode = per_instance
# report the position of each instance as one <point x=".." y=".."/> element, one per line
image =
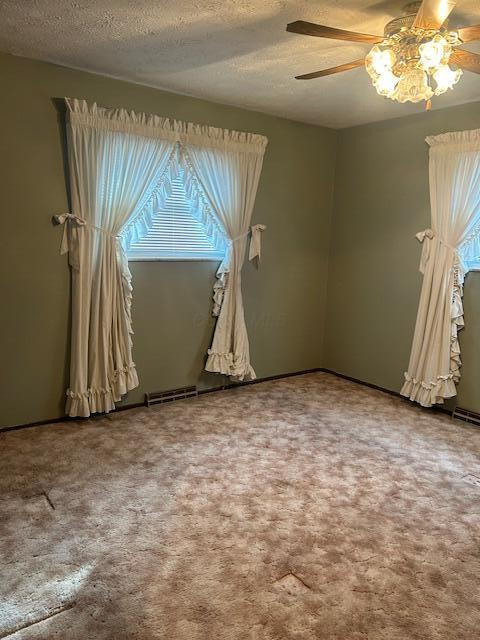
<point x="175" y="259"/>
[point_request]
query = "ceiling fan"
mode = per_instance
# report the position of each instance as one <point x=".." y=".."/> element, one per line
<point x="411" y="61"/>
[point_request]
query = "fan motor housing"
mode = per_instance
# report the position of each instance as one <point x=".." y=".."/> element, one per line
<point x="403" y="22"/>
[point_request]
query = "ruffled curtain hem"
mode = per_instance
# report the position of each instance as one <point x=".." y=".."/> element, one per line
<point x="230" y="364"/>
<point x="219" y="291"/>
<point x="102" y="400"/>
<point x="429" y="393"/>
<point x="469" y="250"/>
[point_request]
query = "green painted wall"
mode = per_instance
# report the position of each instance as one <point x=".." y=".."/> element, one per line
<point x="285" y="299"/>
<point x="371" y="263"/>
<point x="381" y="201"/>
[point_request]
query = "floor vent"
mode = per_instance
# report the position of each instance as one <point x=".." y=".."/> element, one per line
<point x="467" y="416"/>
<point x="158" y="397"/>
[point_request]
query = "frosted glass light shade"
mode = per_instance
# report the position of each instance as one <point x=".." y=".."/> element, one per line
<point x="382" y="60"/>
<point x="434" y="52"/>
<point x="386" y="83"/>
<point x="446" y="78"/>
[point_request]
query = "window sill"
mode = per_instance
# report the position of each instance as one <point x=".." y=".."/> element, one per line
<point x="175" y="259"/>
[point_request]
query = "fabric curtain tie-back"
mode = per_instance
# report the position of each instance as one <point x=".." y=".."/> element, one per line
<point x="426" y="237"/>
<point x="255" y="233"/>
<point x="72" y="219"/>
<point x="256" y="241"/>
<point x="63" y="218"/>
<point x="223" y="271"/>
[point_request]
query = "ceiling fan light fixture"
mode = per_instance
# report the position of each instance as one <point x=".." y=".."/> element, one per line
<point x="411" y="62"/>
<point x="404" y="66"/>
<point x="446" y="78"/>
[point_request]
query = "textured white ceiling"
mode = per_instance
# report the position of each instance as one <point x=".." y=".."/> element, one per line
<point x="230" y="51"/>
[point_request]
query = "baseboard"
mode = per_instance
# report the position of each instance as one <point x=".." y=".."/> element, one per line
<point x="458" y="413"/>
<point x="464" y="415"/>
<point x="233" y="385"/>
<point x="135" y="405"/>
<point x="363" y="383"/>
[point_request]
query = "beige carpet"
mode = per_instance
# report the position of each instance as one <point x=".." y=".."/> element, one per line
<point x="305" y="508"/>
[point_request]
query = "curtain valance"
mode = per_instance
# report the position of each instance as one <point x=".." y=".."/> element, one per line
<point x="456" y="141"/>
<point x="153" y="126"/>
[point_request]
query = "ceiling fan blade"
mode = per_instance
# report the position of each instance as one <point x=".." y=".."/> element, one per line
<point x="433" y="13"/>
<point x="466" y="60"/>
<point x="332" y="70"/>
<point x="468" y="34"/>
<point x="318" y="30"/>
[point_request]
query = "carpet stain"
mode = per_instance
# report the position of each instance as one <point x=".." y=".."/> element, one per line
<point x="308" y="508"/>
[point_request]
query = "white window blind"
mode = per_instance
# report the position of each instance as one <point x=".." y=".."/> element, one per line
<point x="474" y="265"/>
<point x="175" y="233"/>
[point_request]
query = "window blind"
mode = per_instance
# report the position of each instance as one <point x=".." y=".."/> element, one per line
<point x="175" y="234"/>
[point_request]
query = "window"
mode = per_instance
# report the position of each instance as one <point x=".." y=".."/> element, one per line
<point x="175" y="233"/>
<point x="474" y="265"/>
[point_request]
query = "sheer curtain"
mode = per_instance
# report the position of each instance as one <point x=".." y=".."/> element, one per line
<point x="121" y="168"/>
<point x="229" y="172"/>
<point x="451" y="243"/>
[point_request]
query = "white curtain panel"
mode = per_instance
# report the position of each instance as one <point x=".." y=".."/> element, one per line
<point x="121" y="167"/>
<point x="452" y="242"/>
<point x="115" y="170"/>
<point x="229" y="171"/>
